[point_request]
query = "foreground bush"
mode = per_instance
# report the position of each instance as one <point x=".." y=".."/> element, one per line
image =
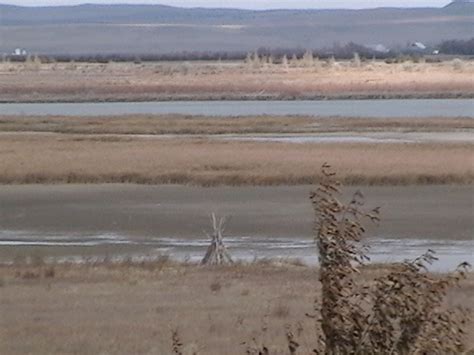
<point x="403" y="312"/>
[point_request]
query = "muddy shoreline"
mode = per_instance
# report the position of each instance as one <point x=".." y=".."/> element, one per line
<point x="413" y="212"/>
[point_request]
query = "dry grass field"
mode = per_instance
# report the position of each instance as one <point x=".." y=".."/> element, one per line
<point x="203" y="125"/>
<point x="53" y="158"/>
<point x="136" y="149"/>
<point x="132" y="309"/>
<point x="36" y="82"/>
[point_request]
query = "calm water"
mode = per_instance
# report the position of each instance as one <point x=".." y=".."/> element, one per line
<point x="347" y="108"/>
<point x="383" y="250"/>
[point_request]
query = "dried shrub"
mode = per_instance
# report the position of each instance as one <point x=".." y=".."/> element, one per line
<point x="258" y="345"/>
<point x="458" y="64"/>
<point x="281" y="311"/>
<point x="402" y="313"/>
<point x="356" y="61"/>
<point x="29" y="275"/>
<point x="308" y="59"/>
<point x="245" y="292"/>
<point x="293" y="345"/>
<point x="178" y="347"/>
<point x="408" y="314"/>
<point x="284" y="62"/>
<point x="49" y="272"/>
<point x="177" y="344"/>
<point x="215" y="286"/>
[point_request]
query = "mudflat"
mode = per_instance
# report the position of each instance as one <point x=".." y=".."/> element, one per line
<point x="432" y="212"/>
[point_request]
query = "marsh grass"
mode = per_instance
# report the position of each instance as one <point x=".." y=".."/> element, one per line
<point x="202" y="125"/>
<point x="43" y="159"/>
<point x="213" y="80"/>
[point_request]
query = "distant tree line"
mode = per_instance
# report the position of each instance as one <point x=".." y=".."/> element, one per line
<point x="137" y="58"/>
<point x="457" y="47"/>
<point x="336" y="51"/>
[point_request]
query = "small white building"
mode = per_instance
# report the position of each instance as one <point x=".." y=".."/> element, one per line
<point x="379" y="48"/>
<point x="20" y="51"/>
<point x="418" y="45"/>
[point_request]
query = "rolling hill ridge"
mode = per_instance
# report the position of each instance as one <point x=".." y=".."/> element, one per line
<point x="166" y="29"/>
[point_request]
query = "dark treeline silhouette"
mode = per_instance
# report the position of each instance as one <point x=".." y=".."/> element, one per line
<point x="457" y="47"/>
<point x="337" y="51"/>
<point x="137" y="58"/>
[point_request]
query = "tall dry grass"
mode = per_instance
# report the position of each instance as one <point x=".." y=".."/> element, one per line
<point x="195" y="125"/>
<point x="125" y="81"/>
<point x="96" y="159"/>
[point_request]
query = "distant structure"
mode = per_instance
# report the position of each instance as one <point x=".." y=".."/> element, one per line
<point x="217" y="253"/>
<point x="19" y="51"/>
<point x="418" y="46"/>
<point x="379" y="48"/>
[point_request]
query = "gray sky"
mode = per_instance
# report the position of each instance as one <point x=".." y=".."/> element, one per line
<point x="249" y="4"/>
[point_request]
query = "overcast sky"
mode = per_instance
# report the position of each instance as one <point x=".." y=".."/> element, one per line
<point x="248" y="4"/>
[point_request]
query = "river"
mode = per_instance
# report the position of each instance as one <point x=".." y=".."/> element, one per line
<point x="344" y="108"/>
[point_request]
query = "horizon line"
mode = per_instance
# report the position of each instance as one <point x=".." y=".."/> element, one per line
<point x="223" y="8"/>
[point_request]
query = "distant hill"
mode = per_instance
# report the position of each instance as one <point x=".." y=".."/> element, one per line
<point x="145" y="29"/>
<point x="464" y="5"/>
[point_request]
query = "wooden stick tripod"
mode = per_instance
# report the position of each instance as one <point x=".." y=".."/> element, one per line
<point x="217" y="253"/>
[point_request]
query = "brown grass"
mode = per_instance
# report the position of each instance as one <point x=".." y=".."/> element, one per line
<point x="194" y="125"/>
<point x="30" y="158"/>
<point x="103" y="149"/>
<point x="154" y="81"/>
<point x="130" y="309"/>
